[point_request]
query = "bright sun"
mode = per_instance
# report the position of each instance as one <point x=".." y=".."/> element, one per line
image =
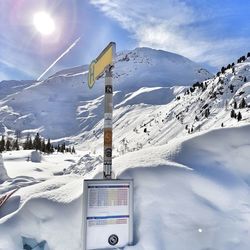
<point x="44" y="23"/>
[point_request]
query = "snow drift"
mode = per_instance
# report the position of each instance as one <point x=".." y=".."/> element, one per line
<point x="3" y="172"/>
<point x="189" y="195"/>
<point x="35" y="156"/>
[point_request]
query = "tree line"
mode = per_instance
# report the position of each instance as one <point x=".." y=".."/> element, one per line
<point x="231" y="66"/>
<point x="37" y="143"/>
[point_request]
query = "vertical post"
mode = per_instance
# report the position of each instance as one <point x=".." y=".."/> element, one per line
<point x="108" y="111"/>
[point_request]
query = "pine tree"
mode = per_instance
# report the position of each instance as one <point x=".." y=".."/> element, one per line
<point x="16" y="145"/>
<point x="232" y="113"/>
<point x="52" y="149"/>
<point x="207" y="113"/>
<point x="28" y="143"/>
<point x="239" y="117"/>
<point x="43" y="146"/>
<point x="235" y="105"/>
<point x="242" y="104"/>
<point x="248" y="54"/>
<point x="2" y="144"/>
<point x="231" y="87"/>
<point x="223" y="70"/>
<point x="73" y="150"/>
<point x="48" y="147"/>
<point x="37" y="142"/>
<point x="245" y="79"/>
<point x="63" y="147"/>
<point x="8" y="145"/>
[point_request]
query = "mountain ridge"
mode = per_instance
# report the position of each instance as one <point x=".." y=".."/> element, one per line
<point x="50" y="106"/>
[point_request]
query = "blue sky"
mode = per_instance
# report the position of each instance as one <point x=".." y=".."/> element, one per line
<point x="213" y="33"/>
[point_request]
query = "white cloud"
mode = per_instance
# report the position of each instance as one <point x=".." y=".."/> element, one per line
<point x="172" y="25"/>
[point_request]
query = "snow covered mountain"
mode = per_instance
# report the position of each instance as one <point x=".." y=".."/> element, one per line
<point x="147" y="67"/>
<point x="204" y="106"/>
<point x="57" y="106"/>
<point x="185" y="147"/>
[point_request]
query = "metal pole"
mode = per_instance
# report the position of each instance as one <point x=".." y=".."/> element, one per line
<point x="108" y="110"/>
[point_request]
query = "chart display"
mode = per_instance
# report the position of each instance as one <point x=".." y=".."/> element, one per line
<point x="108" y="215"/>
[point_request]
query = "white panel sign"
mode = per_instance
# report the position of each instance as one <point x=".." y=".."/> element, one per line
<point x="108" y="214"/>
<point x="108" y="120"/>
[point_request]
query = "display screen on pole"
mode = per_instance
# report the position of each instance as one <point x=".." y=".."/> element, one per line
<point x="108" y="214"/>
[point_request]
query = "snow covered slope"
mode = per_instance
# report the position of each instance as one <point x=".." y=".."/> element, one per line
<point x="189" y="195"/>
<point x="207" y="105"/>
<point x="52" y="106"/>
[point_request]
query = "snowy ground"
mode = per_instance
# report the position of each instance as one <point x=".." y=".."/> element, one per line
<point x="190" y="194"/>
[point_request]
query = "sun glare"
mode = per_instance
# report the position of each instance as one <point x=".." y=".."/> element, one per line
<point x="43" y="23"/>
